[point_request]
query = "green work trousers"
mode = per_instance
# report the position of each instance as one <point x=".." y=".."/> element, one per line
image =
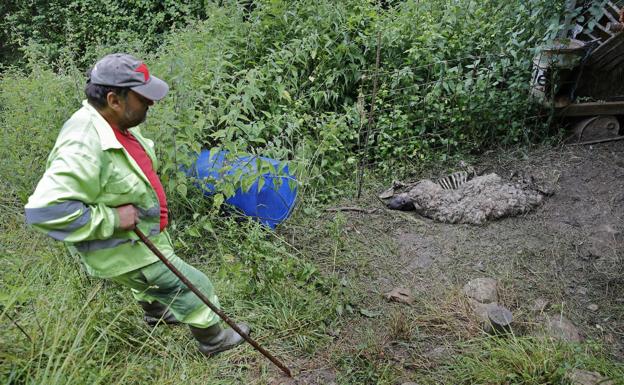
<point x="155" y="282"/>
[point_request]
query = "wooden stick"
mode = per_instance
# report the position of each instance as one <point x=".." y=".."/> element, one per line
<point x="356" y="209"/>
<point x="371" y="117"/>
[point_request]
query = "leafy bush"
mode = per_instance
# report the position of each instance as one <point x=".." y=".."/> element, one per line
<point x="454" y="77"/>
<point x="77" y="26"/>
<point x="291" y="80"/>
<point x="33" y="107"/>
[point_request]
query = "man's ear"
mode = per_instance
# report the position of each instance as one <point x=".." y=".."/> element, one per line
<point x="114" y="101"/>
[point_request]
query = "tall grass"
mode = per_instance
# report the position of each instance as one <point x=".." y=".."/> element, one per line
<point x="62" y="327"/>
<point x="528" y="361"/>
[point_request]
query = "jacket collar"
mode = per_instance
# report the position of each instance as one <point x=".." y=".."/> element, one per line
<point x="104" y="130"/>
<point x="108" y="139"/>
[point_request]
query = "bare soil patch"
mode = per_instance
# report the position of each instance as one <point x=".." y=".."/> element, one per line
<point x="565" y="257"/>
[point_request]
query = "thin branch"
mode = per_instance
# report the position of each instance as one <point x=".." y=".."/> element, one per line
<point x="371" y="117"/>
<point x="356" y="209"/>
<point x="19" y="327"/>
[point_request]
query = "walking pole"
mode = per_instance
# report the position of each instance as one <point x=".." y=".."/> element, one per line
<point x="212" y="307"/>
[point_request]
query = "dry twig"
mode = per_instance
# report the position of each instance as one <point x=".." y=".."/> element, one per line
<point x="347" y="208"/>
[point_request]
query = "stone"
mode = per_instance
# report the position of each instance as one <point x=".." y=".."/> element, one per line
<point x="500" y="319"/>
<point x="592" y="307"/>
<point x="479" y="309"/>
<point x="401" y="295"/>
<point x="484" y="290"/>
<point x="562" y="328"/>
<point x="481" y="312"/>
<point x="583" y="377"/>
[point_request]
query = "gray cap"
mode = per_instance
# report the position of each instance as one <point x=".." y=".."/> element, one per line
<point x="123" y="70"/>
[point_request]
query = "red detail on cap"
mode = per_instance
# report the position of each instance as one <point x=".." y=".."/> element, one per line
<point x="143" y="69"/>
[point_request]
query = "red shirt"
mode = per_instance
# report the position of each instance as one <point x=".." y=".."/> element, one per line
<point x="134" y="148"/>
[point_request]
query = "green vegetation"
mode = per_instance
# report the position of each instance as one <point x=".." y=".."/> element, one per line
<point x="72" y="329"/>
<point x="76" y="28"/>
<point x="293" y="80"/>
<point x="290" y="80"/>
<point x="522" y="360"/>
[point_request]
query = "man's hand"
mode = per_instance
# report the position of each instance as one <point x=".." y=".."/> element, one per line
<point x="128" y="217"/>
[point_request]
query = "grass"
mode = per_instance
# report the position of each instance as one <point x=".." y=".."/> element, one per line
<point x="68" y="328"/>
<point x="527" y="361"/>
<point x="311" y="292"/>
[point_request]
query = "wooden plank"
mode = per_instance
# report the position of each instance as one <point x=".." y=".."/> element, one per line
<point x="591" y="109"/>
<point x="605" y="30"/>
<point x="608" y="49"/>
<point x="616" y="9"/>
<point x="592" y="37"/>
<point x="610" y="62"/>
<point x="615" y="61"/>
<point x="610" y="16"/>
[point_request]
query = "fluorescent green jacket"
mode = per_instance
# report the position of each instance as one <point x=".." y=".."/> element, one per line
<point x="88" y="173"/>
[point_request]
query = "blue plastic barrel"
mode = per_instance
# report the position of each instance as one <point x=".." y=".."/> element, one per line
<point x="270" y="206"/>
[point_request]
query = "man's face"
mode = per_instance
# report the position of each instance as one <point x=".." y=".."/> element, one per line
<point x="133" y="110"/>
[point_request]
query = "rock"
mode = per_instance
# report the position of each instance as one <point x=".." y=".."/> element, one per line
<point x="582" y="377"/>
<point x="484" y="290"/>
<point x="493" y="317"/>
<point x="562" y="328"/>
<point x="500" y="319"/>
<point x="482" y="313"/>
<point x="479" y="309"/>
<point x="539" y="305"/>
<point x="592" y="307"/>
<point x="401" y="295"/>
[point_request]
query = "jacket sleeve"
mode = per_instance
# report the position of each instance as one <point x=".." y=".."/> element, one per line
<point x="63" y="203"/>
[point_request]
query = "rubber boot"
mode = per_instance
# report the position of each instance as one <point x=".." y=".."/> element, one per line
<point x="214" y="339"/>
<point x="157" y="313"/>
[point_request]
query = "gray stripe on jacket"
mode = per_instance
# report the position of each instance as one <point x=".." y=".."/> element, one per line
<point x="50" y="213"/>
<point x="87" y="246"/>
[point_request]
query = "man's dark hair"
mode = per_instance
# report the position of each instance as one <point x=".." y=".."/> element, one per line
<point x="96" y="94"/>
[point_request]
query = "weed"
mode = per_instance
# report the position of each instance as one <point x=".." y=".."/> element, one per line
<point x="399" y="326"/>
<point x="526" y="360"/>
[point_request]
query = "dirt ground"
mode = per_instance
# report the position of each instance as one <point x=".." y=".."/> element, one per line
<point x="567" y="252"/>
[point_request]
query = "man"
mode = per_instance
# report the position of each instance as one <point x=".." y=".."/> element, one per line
<point x="100" y="182"/>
